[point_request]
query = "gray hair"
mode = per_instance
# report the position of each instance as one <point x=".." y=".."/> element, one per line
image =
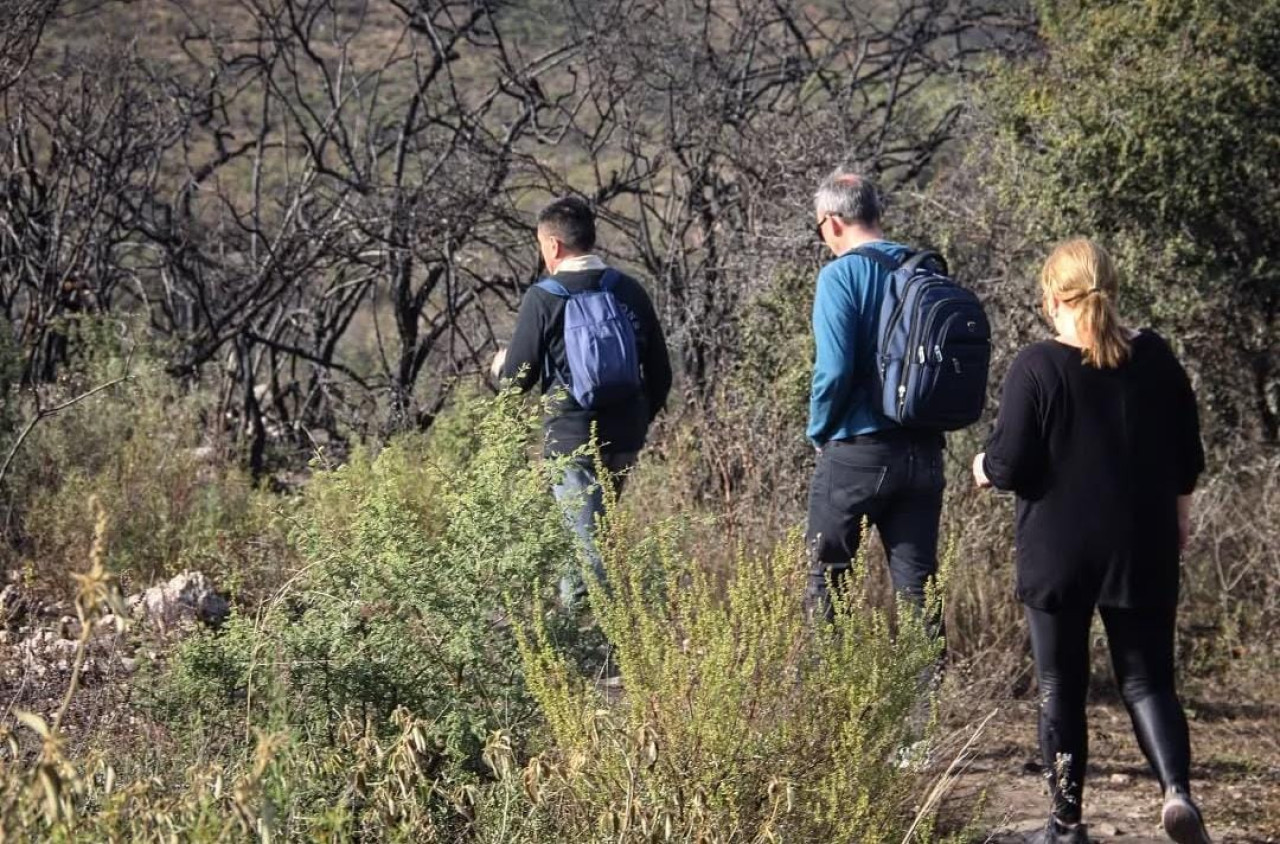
<point x="849" y="196"/>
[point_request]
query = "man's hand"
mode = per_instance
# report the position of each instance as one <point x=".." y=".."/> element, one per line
<point x="979" y="474"/>
<point x="495" y="368"/>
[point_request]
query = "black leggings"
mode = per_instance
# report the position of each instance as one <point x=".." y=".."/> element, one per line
<point x="1141" y="643"/>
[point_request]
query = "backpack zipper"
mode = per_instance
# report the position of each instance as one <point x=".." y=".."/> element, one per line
<point x="928" y="326"/>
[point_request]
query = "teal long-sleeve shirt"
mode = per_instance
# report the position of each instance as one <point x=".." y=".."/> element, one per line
<point x="844" y="401"/>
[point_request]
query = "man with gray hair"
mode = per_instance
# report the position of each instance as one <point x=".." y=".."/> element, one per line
<point x="868" y="466"/>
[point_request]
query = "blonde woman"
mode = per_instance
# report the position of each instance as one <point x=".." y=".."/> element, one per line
<point x="1098" y="436"/>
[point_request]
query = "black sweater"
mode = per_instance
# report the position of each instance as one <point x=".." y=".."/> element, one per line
<point x="1098" y="458"/>
<point x="536" y="356"/>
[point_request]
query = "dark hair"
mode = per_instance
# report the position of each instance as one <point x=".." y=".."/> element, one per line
<point x="570" y="221"/>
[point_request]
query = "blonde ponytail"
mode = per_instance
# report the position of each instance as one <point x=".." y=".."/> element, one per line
<point x="1081" y="272"/>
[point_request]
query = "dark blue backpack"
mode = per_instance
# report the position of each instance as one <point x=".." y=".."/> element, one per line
<point x="599" y="344"/>
<point x="933" y="345"/>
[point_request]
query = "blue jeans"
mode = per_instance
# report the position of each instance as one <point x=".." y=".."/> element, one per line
<point x="580" y="494"/>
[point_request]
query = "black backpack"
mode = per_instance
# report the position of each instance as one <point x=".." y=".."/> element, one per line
<point x="933" y="345"/>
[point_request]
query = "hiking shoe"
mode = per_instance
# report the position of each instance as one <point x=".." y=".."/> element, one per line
<point x="1058" y="833"/>
<point x="1182" y="822"/>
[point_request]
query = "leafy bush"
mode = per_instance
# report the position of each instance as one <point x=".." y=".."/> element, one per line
<point x="386" y="782"/>
<point x="1153" y="126"/>
<point x="145" y="450"/>
<point x="413" y="569"/>
<point x="396" y="686"/>
<point x="740" y="720"/>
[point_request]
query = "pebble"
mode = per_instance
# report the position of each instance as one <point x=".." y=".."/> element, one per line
<point x="1121" y="779"/>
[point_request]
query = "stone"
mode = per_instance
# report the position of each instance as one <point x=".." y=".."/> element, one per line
<point x="13" y="606"/>
<point x="69" y="627"/>
<point x="186" y="597"/>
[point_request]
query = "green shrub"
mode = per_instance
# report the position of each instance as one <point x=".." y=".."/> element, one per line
<point x="146" y="451"/>
<point x="386" y="786"/>
<point x="397" y="685"/>
<point x="1154" y="126"/>
<point x="412" y="569"/>
<point x="740" y="721"/>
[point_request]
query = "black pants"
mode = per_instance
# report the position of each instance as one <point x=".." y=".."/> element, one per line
<point x="1141" y="644"/>
<point x="894" y="480"/>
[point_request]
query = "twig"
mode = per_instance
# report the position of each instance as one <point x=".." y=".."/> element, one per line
<point x="77" y="669"/>
<point x="948" y="779"/>
<point x="42" y="413"/>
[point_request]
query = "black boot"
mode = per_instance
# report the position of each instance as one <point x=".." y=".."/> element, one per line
<point x="1181" y="819"/>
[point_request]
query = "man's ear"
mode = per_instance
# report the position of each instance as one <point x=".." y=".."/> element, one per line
<point x="837" y="226"/>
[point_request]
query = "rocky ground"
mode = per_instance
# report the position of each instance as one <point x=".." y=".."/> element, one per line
<point x="39" y="640"/>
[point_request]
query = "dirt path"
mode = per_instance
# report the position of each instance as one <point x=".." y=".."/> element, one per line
<point x="1235" y="776"/>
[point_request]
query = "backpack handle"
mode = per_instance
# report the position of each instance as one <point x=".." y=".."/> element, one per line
<point x="927" y="256"/>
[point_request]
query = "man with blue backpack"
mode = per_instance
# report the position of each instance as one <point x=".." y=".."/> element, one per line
<point x="589" y="335"/>
<point x="901" y="356"/>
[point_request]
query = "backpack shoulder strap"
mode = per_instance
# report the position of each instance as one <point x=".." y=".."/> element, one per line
<point x="913" y="261"/>
<point x="609" y="279"/>
<point x="877" y="256"/>
<point x="555" y="288"/>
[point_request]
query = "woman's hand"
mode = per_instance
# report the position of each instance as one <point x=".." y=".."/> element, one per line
<point x="979" y="474"/>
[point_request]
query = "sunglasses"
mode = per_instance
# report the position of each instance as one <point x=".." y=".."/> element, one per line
<point x="821" y="223"/>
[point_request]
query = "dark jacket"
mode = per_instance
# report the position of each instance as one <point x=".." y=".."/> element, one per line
<point x="1098" y="458"/>
<point x="536" y="355"/>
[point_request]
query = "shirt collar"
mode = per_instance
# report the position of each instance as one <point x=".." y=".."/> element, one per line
<point x="580" y="263"/>
<point x="871" y="243"/>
